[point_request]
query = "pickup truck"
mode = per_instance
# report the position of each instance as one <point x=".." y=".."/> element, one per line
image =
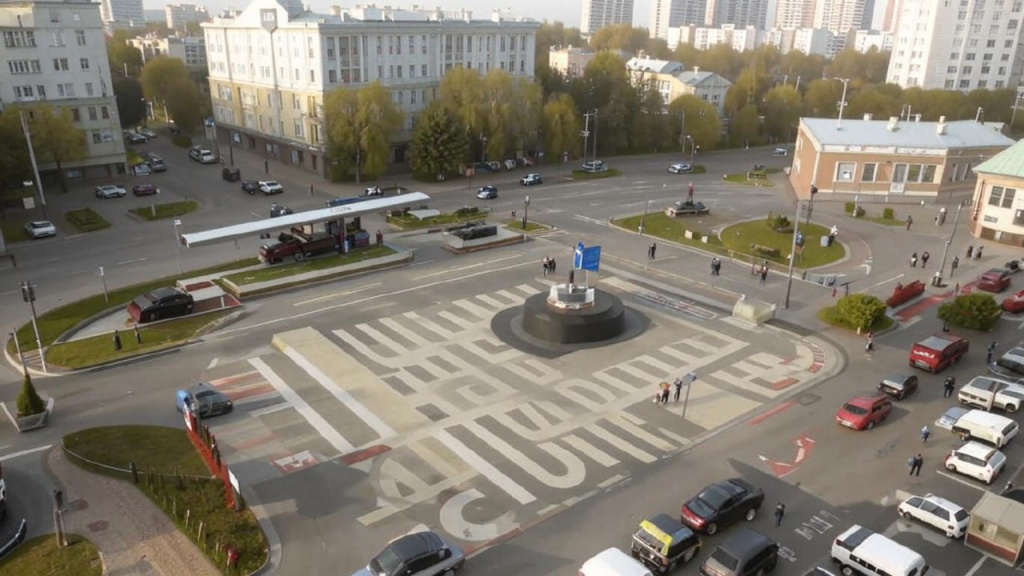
<point x="297" y="246"/>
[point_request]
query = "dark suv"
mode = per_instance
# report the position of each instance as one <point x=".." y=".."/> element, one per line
<point x="745" y="553"/>
<point x="161" y="303"/>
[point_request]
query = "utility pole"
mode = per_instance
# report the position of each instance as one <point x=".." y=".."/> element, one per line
<point x="792" y="256"/>
<point x="949" y="240"/>
<point x="595" y="134"/>
<point x="682" y="131"/>
<point x="586" y="135"/>
<point x="32" y="158"/>
<point x="28" y="294"/>
<point x="842" y="102"/>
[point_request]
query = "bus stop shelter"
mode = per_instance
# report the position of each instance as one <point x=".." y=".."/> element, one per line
<point x="997" y="528"/>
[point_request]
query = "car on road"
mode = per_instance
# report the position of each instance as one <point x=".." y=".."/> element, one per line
<point x="898" y="386"/>
<point x="721" y="504"/>
<point x="531" y="179"/>
<point x="142" y="169"/>
<point x="938" y="351"/>
<point x="160" y="304"/>
<point x="278" y="210"/>
<point x="680" y="168"/>
<point x="110" y="191"/>
<point x="780" y="152"/>
<point x="417" y="554"/>
<point x="1009" y="366"/>
<point x="201" y="155"/>
<point x="250" y="186"/>
<point x="940" y="513"/>
<point x="135" y="138"/>
<point x="374" y="191"/>
<point x="204" y="400"/>
<point x="662" y="543"/>
<point x="147" y="133"/>
<point x="230" y="174"/>
<point x="594" y="166"/>
<point x="745" y="553"/>
<point x="864" y="412"/>
<point x="145" y="190"/>
<point x="269" y="187"/>
<point x="681" y="208"/>
<point x="487" y="193"/>
<point x="976" y="460"/>
<point x="950" y="416"/>
<point x="156" y="163"/>
<point x="1014" y="303"/>
<point x="995" y="280"/>
<point x="40" y="229"/>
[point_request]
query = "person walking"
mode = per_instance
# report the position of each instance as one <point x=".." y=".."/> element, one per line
<point x="977" y="253"/>
<point x="970" y="251"/>
<point x="924" y="258"/>
<point x="764" y="276"/>
<point x="913" y="260"/>
<point x="925" y="433"/>
<point x="990" y="350"/>
<point x="953" y="265"/>
<point x="948" y="386"/>
<point x="552" y="265"/>
<point x="664" y="392"/>
<point x="546" y="264"/>
<point x="869" y="345"/>
<point x="651" y="251"/>
<point x="679" y="388"/>
<point x="910" y="221"/>
<point x="714" y="266"/>
<point x="915" y="464"/>
<point x="780" y="511"/>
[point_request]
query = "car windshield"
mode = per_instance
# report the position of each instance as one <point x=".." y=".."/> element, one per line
<point x="649" y="540"/>
<point x="207" y="394"/>
<point x="271" y="183"/>
<point x="712" y="498"/>
<point x="40" y="224"/>
<point x="725" y="559"/>
<point x="960" y="515"/>
<point x="387" y="562"/>
<point x="852" y="409"/>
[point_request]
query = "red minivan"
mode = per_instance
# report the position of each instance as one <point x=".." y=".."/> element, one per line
<point x="938" y="351"/>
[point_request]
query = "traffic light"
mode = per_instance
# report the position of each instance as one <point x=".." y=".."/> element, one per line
<point x="28" y="292"/>
<point x="814" y="189"/>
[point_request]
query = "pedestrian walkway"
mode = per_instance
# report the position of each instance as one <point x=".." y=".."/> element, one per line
<point x="134" y="537"/>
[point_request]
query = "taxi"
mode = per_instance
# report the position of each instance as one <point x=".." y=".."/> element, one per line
<point x="662" y="543"/>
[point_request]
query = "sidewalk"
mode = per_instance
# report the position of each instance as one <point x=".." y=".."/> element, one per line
<point x="132" y="534"/>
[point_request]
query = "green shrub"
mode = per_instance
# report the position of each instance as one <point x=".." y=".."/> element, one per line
<point x="975" y="311"/>
<point x="765" y="250"/>
<point x="86" y="220"/>
<point x="467" y="211"/>
<point x="29" y="402"/>
<point x="848" y="207"/>
<point x="888" y="214"/>
<point x="779" y="223"/>
<point x="859" y="212"/>
<point x="859" y="311"/>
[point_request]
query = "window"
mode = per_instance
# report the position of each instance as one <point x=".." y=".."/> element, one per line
<point x="66" y="90"/>
<point x="423" y="70"/>
<point x="92" y="113"/>
<point x="96" y="139"/>
<point x="423" y="44"/>
<point x="58" y="38"/>
<point x="928" y="174"/>
<point x="845" y="171"/>
<point x="88" y="89"/>
<point x="80" y="37"/>
<point x="76" y="115"/>
<point x="914" y="173"/>
<point x="41" y="90"/>
<point x="951" y="69"/>
<point x="1011" y="25"/>
<point x="1001" y="197"/>
<point x="380" y="45"/>
<point x="399" y="70"/>
<point x="84" y="63"/>
<point x="19" y="39"/>
<point x="954" y="55"/>
<point x="990" y="44"/>
<point x="966" y="69"/>
<point x="24" y="66"/>
<point x="298" y="128"/>
<point x="949" y="84"/>
<point x="868" y="173"/>
<point x="412" y="97"/>
<point x="21" y="92"/>
<point x="312" y="76"/>
<point x="969" y="56"/>
<point x="965" y="84"/>
<point x="412" y="44"/>
<point x="60" y="64"/>
<point x="104" y="113"/>
<point x="332" y="76"/>
<point x="412" y="71"/>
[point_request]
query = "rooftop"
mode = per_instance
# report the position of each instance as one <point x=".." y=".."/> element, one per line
<point x="856" y="132"/>
<point x="696" y="77"/>
<point x="1003" y="512"/>
<point x="1009" y="162"/>
<point x="655" y="66"/>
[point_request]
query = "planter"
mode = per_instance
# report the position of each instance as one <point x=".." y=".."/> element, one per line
<point x="902" y="294"/>
<point x="33" y="422"/>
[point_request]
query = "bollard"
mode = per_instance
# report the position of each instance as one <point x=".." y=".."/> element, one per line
<point x="134" y="471"/>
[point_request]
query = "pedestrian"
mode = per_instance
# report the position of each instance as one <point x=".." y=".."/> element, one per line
<point x="970" y="251"/>
<point x="925" y="433"/>
<point x="117" y="341"/>
<point x="664" y="392"/>
<point x="138" y="335"/>
<point x="718" y="267"/>
<point x="764" y="276"/>
<point x="679" y="388"/>
<point x="546" y="265"/>
<point x="513" y="213"/>
<point x="551" y="264"/>
<point x="310" y="190"/>
<point x="780" y="511"/>
<point x="869" y="346"/>
<point x="913" y="260"/>
<point x="991" y="350"/>
<point x="915" y="464"/>
<point x="572" y="279"/>
<point x="948" y="386"/>
<point x="953" y="265"/>
<point x="1007" y="488"/>
<point x="910" y="221"/>
<point x="924" y="258"/>
<point x="689" y="193"/>
<point x="713" y="261"/>
<point x="651" y="251"/>
<point x="380" y="237"/>
<point x="977" y="253"/>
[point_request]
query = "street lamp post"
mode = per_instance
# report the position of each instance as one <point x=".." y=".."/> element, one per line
<point x="526" y="211"/>
<point x="647" y="208"/>
<point x="682" y="131"/>
<point x="177" y="243"/>
<point x="28" y="294"/>
<point x="949" y="240"/>
<point x="792" y="256"/>
<point x="842" y="102"/>
<point x="17" y="349"/>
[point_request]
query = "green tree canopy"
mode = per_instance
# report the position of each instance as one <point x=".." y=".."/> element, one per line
<point x="359" y="128"/>
<point x="15" y="167"/>
<point x="439" y="142"/>
<point x="977" y="311"/>
<point x="620" y="37"/>
<point x="781" y="111"/>
<point x="130" y="105"/>
<point x="745" y="127"/>
<point x="55" y="138"/>
<point x="561" y="125"/>
<point x="121" y="54"/>
<point x="859" y="311"/>
<point x="185" y="104"/>
<point x="748" y="89"/>
<point x="867" y="68"/>
<point x="701" y="118"/>
<point x="821" y="100"/>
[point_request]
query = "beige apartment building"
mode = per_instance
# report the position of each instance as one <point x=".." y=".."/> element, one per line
<point x="870" y="157"/>
<point x="997" y="212"/>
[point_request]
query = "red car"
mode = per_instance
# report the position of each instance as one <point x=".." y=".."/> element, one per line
<point x="863" y="412"/>
<point x="995" y="280"/>
<point x="144" y="190"/>
<point x="1014" y="304"/>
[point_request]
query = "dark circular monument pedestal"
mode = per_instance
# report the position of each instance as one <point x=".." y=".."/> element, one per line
<point x="601" y="318"/>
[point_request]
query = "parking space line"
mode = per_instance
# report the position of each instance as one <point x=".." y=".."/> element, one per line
<point x="977" y="566"/>
<point x="961" y="480"/>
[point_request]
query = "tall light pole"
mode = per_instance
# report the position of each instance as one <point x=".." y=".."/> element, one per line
<point x="682" y="131"/>
<point x="949" y="240"/>
<point x="842" y="101"/>
<point x="177" y="244"/>
<point x="792" y="255"/>
<point x="586" y="133"/>
<point x="32" y="159"/>
<point x="28" y="294"/>
<point x="647" y="208"/>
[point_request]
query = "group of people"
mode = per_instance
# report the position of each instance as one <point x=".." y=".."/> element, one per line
<point x="716" y="267"/>
<point x="761" y="272"/>
<point x="924" y="259"/>
<point x="971" y="252"/>
<point x="549" y="265"/>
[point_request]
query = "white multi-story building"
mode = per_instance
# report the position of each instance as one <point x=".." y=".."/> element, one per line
<point x="56" y="55"/>
<point x="957" y="46"/>
<point x="839" y="17"/>
<point x="570" y="61"/>
<point x="596" y="14"/>
<point x="793" y="14"/>
<point x="178" y="15"/>
<point x="672" y="80"/>
<point x="740" y="39"/>
<point x="667" y="14"/>
<point x="118" y="13"/>
<point x="864" y="40"/>
<point x="189" y="49"/>
<point x="739" y="13"/>
<point x="270" y="69"/>
<point x="806" y="40"/>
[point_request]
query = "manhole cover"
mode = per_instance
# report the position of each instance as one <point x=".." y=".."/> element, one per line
<point x="97" y="526"/>
<point x="808" y="399"/>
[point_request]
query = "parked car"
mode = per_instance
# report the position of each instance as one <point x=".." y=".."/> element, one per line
<point x="936" y="512"/>
<point x="864" y="412"/>
<point x="145" y="190"/>
<point x="278" y="210"/>
<point x="721" y="504"/>
<point x="531" y="179"/>
<point x="40" y="229"/>
<point x="976" y="460"/>
<point x="250" y="186"/>
<point x="269" y="187"/>
<point x="687" y="209"/>
<point x="898" y="386"/>
<point x="1010" y="365"/>
<point x="374" y="191"/>
<point x="995" y="280"/>
<point x="204" y="400"/>
<point x="135" y="138"/>
<point x="680" y="168"/>
<point x="745" y="553"/>
<point x="938" y="351"/>
<point x="780" y="152"/>
<point x="142" y="169"/>
<point x="160" y="304"/>
<point x="156" y="163"/>
<point x="147" y="133"/>
<point x="950" y="416"/>
<point x="487" y="193"/>
<point x="201" y="155"/>
<point x="986" y="393"/>
<point x="110" y="191"/>
<point x="231" y="174"/>
<point x="418" y="554"/>
<point x="662" y="543"/>
<point x="594" y="166"/>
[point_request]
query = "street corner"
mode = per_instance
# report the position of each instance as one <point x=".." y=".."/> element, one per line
<point x="786" y="460"/>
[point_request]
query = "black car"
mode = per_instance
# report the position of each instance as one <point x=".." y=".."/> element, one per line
<point x="721" y="504"/>
<point x="688" y="209"/>
<point x="662" y="544"/>
<point x="278" y="210"/>
<point x="250" y="186"/>
<point x="231" y="174"/>
<point x="417" y="554"/>
<point x="203" y="400"/>
<point x="745" y="553"/>
<point x="160" y="304"/>
<point x="136" y="138"/>
<point x="898" y="386"/>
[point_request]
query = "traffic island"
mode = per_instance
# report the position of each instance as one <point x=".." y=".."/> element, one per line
<point x="476" y="238"/>
<point x="424" y="218"/>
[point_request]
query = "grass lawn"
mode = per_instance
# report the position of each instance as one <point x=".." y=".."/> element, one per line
<point x="739" y="237"/>
<point x="40" y="556"/>
<point x="13" y="229"/>
<point x="741" y="178"/>
<point x="659" y="225"/>
<point x="698" y="169"/>
<point x="96" y="350"/>
<point x="410" y="223"/>
<point x="828" y="316"/>
<point x="581" y="175"/>
<point x="86" y="220"/>
<point x="517" y="225"/>
<point x="168" y="210"/>
<point x="202" y="498"/>
<point x="884" y="221"/>
<point x="276" y="271"/>
<point x="57" y="321"/>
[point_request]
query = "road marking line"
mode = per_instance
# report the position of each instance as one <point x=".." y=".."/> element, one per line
<point x="328" y="432"/>
<point x="619" y="443"/>
<point x="421" y="263"/>
<point x="590" y="451"/>
<point x="270" y="410"/>
<point x="25" y="452"/>
<point x="485" y="468"/>
<point x="132" y="261"/>
<point x="79" y="272"/>
<point x="459" y="269"/>
<point x="337" y="294"/>
<point x="961" y="480"/>
<point x="977" y="566"/>
<point x="213" y="364"/>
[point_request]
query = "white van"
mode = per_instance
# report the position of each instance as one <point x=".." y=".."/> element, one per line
<point x="613" y="562"/>
<point x="986" y="427"/>
<point x="861" y="551"/>
<point x="987" y="393"/>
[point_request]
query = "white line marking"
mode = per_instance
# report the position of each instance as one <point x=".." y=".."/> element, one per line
<point x="25" y="452"/>
<point x="303" y="408"/>
<point x="79" y="272"/>
<point x="882" y="282"/>
<point x="497" y="477"/>
<point x="336" y="294"/>
<point x="213" y="363"/>
<point x="477" y="265"/>
<point x="414" y="264"/>
<point x="343" y="396"/>
<point x="132" y="261"/>
<point x="270" y="409"/>
<point x="954" y="478"/>
<point x="977" y="566"/>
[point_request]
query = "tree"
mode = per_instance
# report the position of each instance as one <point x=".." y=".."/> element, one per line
<point x="554" y="34"/>
<point x="701" y="121"/>
<point x="688" y="55"/>
<point x="859" y="311"/>
<point x="976" y="311"/>
<point x="781" y="110"/>
<point x="122" y="55"/>
<point x="462" y="91"/>
<point x="879" y="101"/>
<point x="749" y="88"/>
<point x="497" y="111"/>
<point x="15" y="167"/>
<point x="439" y="142"/>
<point x="359" y="127"/>
<point x="561" y="125"/>
<point x="605" y="73"/>
<point x="620" y="37"/>
<point x="801" y="67"/>
<point x="131" y="107"/>
<point x="721" y="59"/>
<point x="745" y="127"/>
<point x="867" y="68"/>
<point x="822" y="97"/>
<point x="185" y="104"/>
<point x="29" y="403"/>
<point x="55" y="138"/>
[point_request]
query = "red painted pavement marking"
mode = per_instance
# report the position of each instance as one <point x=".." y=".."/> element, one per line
<point x="365" y="454"/>
<point x="804" y="446"/>
<point x="918" y="307"/>
<point x="762" y="417"/>
<point x="787" y="361"/>
<point x="229" y="380"/>
<point x="241" y="393"/>
<point x="784" y="383"/>
<point x="295" y="462"/>
<point x="816" y="367"/>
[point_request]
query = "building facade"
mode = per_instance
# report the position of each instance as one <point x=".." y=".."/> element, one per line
<point x="701" y="38"/>
<point x="869" y="157"/>
<point x="270" y="69"/>
<point x="791" y="14"/>
<point x="121" y="13"/>
<point x="997" y="212"/>
<point x="191" y="50"/>
<point x="864" y="40"/>
<point x="596" y="14"/>
<point x="570" y="61"/>
<point x="666" y="14"/>
<point x="178" y="15"/>
<point x="957" y="46"/>
<point x="55" y="54"/>
<point x="839" y="17"/>
<point x="672" y="81"/>
<point x="739" y="13"/>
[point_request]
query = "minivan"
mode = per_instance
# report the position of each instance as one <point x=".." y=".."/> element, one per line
<point x="986" y="427"/>
<point x="938" y="351"/>
<point x="861" y="551"/>
<point x="986" y="393"/>
<point x="746" y="553"/>
<point x="613" y="562"/>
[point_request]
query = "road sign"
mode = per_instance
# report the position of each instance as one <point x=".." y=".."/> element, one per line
<point x="587" y="257"/>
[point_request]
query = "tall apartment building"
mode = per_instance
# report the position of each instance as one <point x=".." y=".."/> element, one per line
<point x="117" y="13"/>
<point x="56" y="55"/>
<point x="839" y="17"/>
<point x="270" y="69"/>
<point x="958" y="45"/>
<point x="740" y="39"/>
<point x="864" y="40"/>
<point x="667" y="14"/>
<point x="793" y="14"/>
<point x="570" y="61"/>
<point x="739" y="13"/>
<point x="597" y="14"/>
<point x="189" y="49"/>
<point x="178" y="15"/>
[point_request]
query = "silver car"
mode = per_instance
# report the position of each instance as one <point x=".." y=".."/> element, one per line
<point x="417" y="554"/>
<point x="40" y="229"/>
<point x="110" y="191"/>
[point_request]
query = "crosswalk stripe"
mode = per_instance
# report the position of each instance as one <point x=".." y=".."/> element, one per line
<point x="430" y="326"/>
<point x="461" y="323"/>
<point x="575" y="471"/>
<point x="744" y="384"/>
<point x="485" y="468"/>
<point x="639" y="433"/>
<point x="404" y="332"/>
<point x="512" y="298"/>
<point x="656" y="364"/>
<point x="491" y="302"/>
<point x="620" y="444"/>
<point x="475" y="310"/>
<point x="687" y="359"/>
<point x="382" y="339"/>
<point x="590" y="451"/>
<point x="614" y="382"/>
